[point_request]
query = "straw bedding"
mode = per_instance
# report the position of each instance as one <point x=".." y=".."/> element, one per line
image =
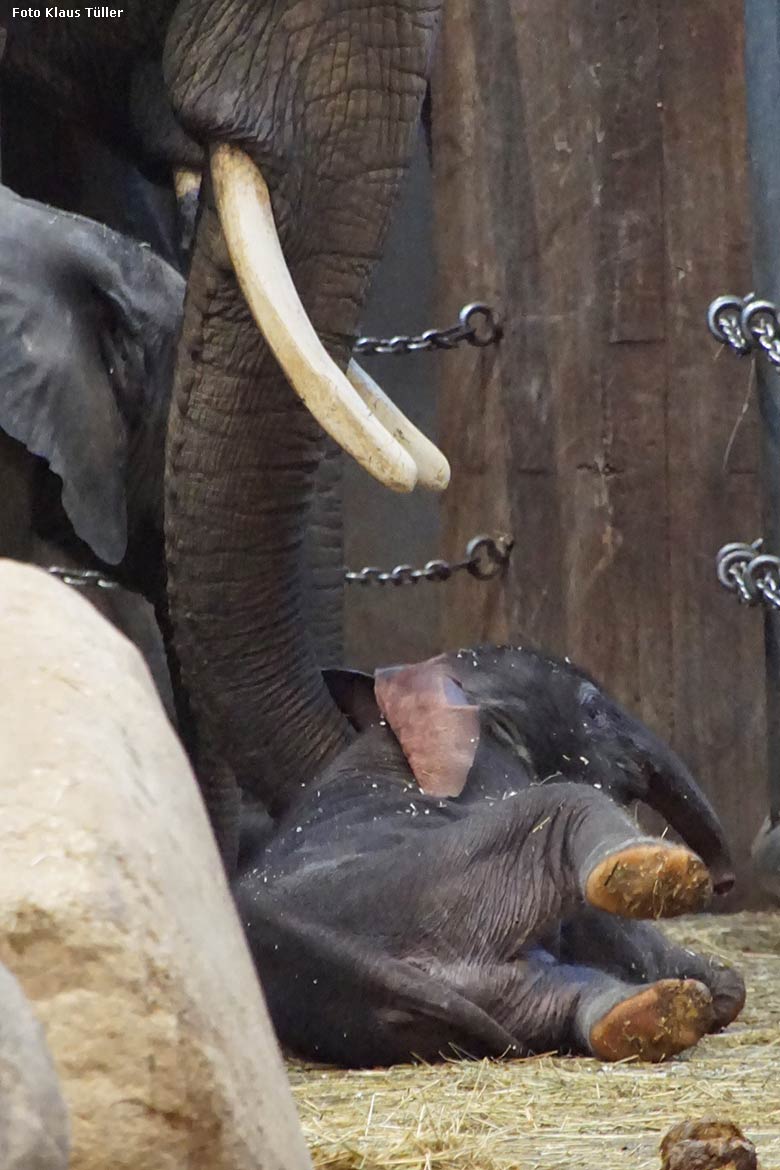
<point x="567" y="1113"/>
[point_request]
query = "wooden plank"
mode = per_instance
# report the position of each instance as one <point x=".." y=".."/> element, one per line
<point x="582" y="157"/>
<point x="475" y="174"/>
<point x="718" y="667"/>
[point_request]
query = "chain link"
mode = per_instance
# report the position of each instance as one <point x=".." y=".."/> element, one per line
<point x="477" y="325"/>
<point x="83" y="578"/>
<point x="745" y="325"/>
<point x="754" y="576"/>
<point x="486" y="557"/>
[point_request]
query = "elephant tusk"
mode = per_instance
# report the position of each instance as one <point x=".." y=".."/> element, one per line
<point x="433" y="469"/>
<point x="185" y="181"/>
<point x="246" y="216"/>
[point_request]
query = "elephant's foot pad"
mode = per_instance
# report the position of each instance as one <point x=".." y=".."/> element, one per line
<point x="657" y="1023"/>
<point x="649" y="880"/>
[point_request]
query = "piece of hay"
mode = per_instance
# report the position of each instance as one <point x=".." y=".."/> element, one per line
<point x="556" y="1113"/>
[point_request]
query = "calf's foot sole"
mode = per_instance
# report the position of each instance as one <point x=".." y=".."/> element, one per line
<point x="649" y="879"/>
<point x="657" y="1023"/>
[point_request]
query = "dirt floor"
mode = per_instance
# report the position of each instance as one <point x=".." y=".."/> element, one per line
<point x="557" y="1113"/>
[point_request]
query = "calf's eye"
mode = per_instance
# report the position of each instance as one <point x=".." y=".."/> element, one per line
<point x="592" y="704"/>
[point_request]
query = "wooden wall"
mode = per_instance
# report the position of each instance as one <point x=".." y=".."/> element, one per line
<point x="590" y="180"/>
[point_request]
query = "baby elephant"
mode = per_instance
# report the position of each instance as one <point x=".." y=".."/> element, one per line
<point x="462" y="880"/>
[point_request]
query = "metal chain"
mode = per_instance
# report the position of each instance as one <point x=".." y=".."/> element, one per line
<point x="477" y="325"/>
<point x="83" y="578"/>
<point x="486" y="557"/>
<point x="754" y="576"/>
<point x="745" y="324"/>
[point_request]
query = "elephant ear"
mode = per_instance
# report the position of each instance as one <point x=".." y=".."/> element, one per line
<point x="353" y="693"/>
<point x="433" y="720"/>
<point x="84" y="314"/>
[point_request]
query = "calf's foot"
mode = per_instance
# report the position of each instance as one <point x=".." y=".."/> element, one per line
<point x="649" y="879"/>
<point x="639" y="953"/>
<point x="656" y="1023"/>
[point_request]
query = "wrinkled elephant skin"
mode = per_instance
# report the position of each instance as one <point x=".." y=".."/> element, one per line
<point x="459" y="879"/>
<point x="457" y="717"/>
<point x="332" y="138"/>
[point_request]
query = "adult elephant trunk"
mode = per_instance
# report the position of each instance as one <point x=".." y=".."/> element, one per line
<point x="324" y="558"/>
<point x="323" y="100"/>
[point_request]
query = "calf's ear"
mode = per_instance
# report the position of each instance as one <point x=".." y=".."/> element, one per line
<point x="433" y="720"/>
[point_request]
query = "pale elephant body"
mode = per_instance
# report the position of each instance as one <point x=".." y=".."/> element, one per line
<point x="428" y="892"/>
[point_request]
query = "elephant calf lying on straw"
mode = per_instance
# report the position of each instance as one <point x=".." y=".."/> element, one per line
<point x="425" y="893"/>
<point x="461" y="879"/>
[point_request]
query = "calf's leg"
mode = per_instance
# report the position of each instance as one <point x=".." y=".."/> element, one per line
<point x="492" y="881"/>
<point x="336" y="999"/>
<point x="565" y="1007"/>
<point x="639" y="953"/>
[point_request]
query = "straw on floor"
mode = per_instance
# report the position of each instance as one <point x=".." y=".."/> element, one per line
<point x="563" y="1113"/>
